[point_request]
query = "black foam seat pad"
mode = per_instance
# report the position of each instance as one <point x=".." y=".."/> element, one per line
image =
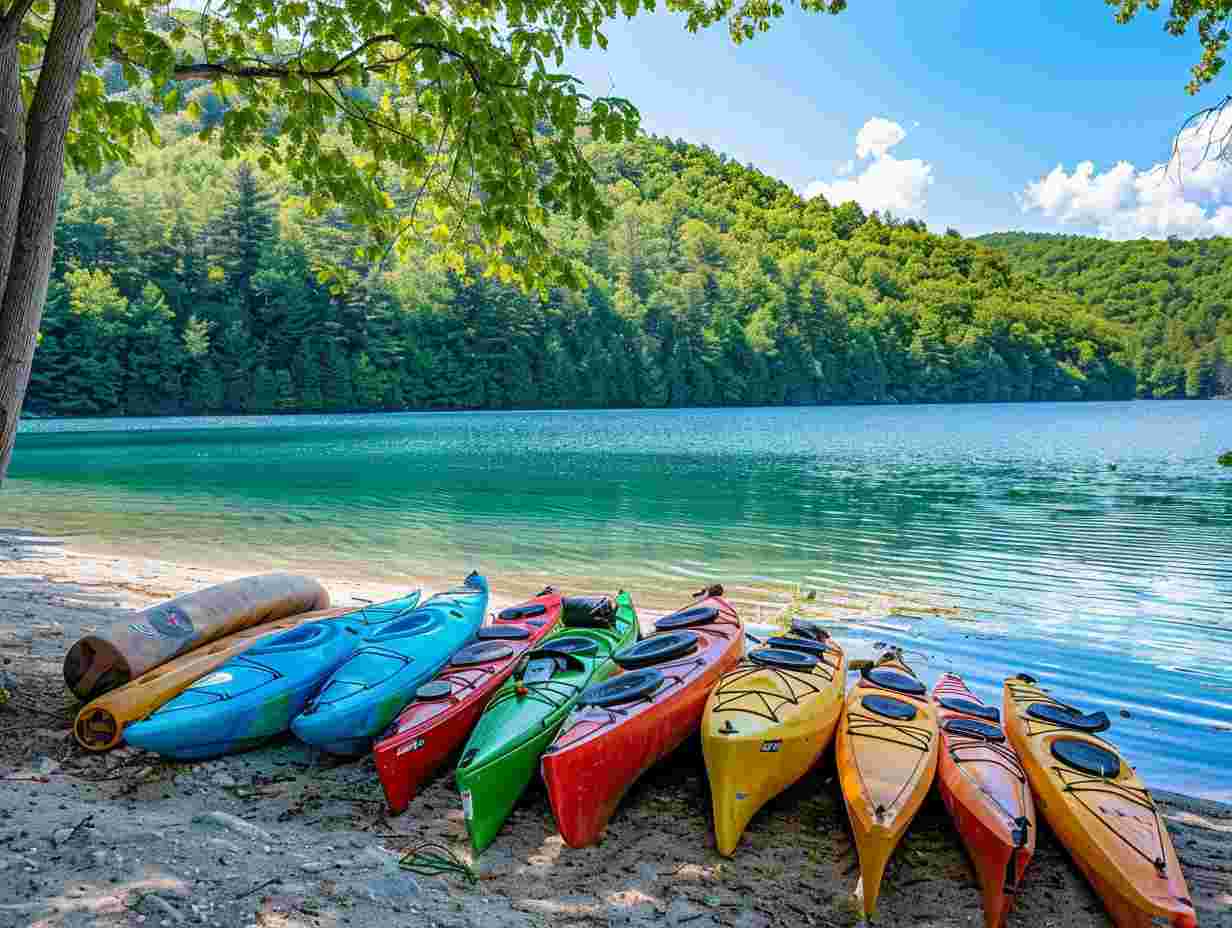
<point x="889" y="707"/>
<point x="895" y="680"/>
<point x="973" y="728"/>
<point x="502" y="633"/>
<point x="665" y="646"/>
<point x="1086" y="757"/>
<point x="969" y="707"/>
<point x="622" y="688"/>
<point x="1069" y="718"/>
<point x="784" y="659"/>
<point x="698" y="615"/>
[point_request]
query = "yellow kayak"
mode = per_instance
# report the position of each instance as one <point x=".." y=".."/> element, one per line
<point x="886" y="755"/>
<point x="1098" y="807"/>
<point x="767" y="722"/>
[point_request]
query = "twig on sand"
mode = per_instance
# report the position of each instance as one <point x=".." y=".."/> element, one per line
<point x="272" y="880"/>
<point x="87" y="822"/>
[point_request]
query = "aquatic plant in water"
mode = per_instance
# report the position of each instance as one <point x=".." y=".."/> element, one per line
<point x="1226" y="459"/>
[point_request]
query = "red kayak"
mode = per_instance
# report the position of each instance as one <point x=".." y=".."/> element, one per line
<point x="985" y="788"/>
<point x="622" y="726"/>
<point x="437" y="721"/>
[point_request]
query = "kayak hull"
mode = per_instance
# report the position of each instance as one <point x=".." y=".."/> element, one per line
<point x="762" y="730"/>
<point x="985" y="790"/>
<point x="254" y="696"/>
<point x="360" y="699"/>
<point x="600" y="752"/>
<point x="1107" y="820"/>
<point x="427" y="732"/>
<point x="521" y="719"/>
<point x="886" y="765"/>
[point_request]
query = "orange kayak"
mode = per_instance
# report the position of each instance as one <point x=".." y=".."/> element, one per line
<point x="886" y="754"/>
<point x="1098" y="807"/>
<point x="984" y="786"/>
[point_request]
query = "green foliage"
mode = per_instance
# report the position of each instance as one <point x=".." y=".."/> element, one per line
<point x="715" y="285"/>
<point x="1174" y="297"/>
<point x="1210" y="17"/>
<point x="1225" y="459"/>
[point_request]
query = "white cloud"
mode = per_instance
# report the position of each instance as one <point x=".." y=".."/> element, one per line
<point x="845" y="168"/>
<point x="886" y="182"/>
<point x="1189" y="197"/>
<point x="878" y="136"/>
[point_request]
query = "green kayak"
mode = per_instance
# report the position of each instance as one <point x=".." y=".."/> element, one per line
<point x="522" y="717"/>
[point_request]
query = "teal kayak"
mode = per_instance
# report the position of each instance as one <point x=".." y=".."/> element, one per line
<point x="523" y="716"/>
<point x="255" y="695"/>
<point x="363" y="696"/>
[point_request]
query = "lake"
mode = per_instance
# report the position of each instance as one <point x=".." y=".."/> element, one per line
<point x="1089" y="544"/>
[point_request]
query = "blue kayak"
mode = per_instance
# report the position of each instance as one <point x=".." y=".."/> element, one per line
<point x="371" y="688"/>
<point x="255" y="695"/>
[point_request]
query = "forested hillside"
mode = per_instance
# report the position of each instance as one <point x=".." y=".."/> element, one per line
<point x="184" y="283"/>
<point x="1174" y="296"/>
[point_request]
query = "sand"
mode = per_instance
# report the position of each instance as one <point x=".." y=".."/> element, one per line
<point x="283" y="836"/>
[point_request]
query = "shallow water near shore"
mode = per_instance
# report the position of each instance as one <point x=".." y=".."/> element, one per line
<point x="1089" y="544"/>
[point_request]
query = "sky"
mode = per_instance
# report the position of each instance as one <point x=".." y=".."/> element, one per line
<point x="1044" y="116"/>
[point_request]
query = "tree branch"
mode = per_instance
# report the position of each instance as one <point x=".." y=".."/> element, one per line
<point x="11" y="22"/>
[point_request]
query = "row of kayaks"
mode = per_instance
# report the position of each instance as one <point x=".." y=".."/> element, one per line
<point x="567" y="687"/>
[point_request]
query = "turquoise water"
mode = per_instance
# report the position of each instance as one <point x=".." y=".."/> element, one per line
<point x="1090" y="544"/>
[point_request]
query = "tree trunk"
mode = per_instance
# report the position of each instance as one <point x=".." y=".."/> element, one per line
<point x="36" y="169"/>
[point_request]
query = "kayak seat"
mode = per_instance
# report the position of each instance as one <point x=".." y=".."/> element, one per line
<point x="808" y="646"/>
<point x="588" y="612"/>
<point x="656" y="649"/>
<point x="1069" y="718"/>
<point x="784" y="659"/>
<point x="1086" y="757"/>
<point x="895" y="680"/>
<point x="971" y="728"/>
<point x="969" y="707"/>
<point x="295" y="639"/>
<point x="481" y="652"/>
<point x="698" y="615"/>
<point x="411" y="624"/>
<point x="803" y="628"/>
<point x="497" y="633"/>
<point x="514" y="613"/>
<point x="435" y="689"/>
<point x="633" y="686"/>
<point x="889" y="707"/>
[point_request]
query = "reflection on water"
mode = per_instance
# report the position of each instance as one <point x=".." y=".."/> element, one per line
<point x="1092" y="543"/>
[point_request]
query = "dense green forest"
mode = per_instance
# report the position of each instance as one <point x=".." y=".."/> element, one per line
<point x="1175" y="298"/>
<point x="186" y="283"/>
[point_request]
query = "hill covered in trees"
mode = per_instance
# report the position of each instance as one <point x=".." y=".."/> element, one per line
<point x="184" y="283"/>
<point x="1175" y="298"/>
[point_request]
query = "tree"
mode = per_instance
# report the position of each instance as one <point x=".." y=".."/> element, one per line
<point x="479" y="132"/>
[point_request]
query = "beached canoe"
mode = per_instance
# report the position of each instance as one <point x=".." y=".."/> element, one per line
<point x="253" y="696"/>
<point x="520" y="721"/>
<point x="361" y="697"/>
<point x="436" y="722"/>
<point x="1098" y="807"/>
<point x="982" y="781"/>
<point x="96" y="664"/>
<point x="767" y="722"/>
<point x="622" y="726"/>
<point x="886" y="753"/>
<point x="100" y="724"/>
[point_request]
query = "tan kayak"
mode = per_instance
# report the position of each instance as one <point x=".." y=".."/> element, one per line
<point x="99" y="663"/>
<point x="886" y="754"/>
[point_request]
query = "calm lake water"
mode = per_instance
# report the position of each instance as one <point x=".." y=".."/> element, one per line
<point x="1090" y="544"/>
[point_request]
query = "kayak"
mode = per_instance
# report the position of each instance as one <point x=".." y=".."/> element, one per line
<point x="522" y="718"/>
<point x="361" y="697"/>
<point x="984" y="786"/>
<point x="886" y="753"/>
<point x="444" y="710"/>
<point x="100" y="724"/>
<point x="767" y="723"/>
<point x="253" y="697"/>
<point x="1098" y="807"/>
<point x="621" y="727"/>
<point x="104" y="661"/>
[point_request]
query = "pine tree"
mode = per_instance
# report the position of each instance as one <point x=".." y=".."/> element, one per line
<point x="205" y="388"/>
<point x="264" y="390"/>
<point x="336" y="388"/>
<point x="285" y="399"/>
<point x="369" y="384"/>
<point x="235" y="362"/>
<point x="239" y="239"/>
<point x="308" y="373"/>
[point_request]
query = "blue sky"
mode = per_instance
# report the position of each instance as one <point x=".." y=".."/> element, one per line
<point x="977" y="102"/>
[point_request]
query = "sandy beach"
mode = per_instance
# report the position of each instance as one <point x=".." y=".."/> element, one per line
<point x="285" y="837"/>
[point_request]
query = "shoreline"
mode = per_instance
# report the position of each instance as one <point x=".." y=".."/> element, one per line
<point x="283" y="837"/>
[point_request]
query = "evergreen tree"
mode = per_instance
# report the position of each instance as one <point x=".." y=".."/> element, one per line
<point x="239" y="239"/>
<point x="264" y="390"/>
<point x="285" y="399"/>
